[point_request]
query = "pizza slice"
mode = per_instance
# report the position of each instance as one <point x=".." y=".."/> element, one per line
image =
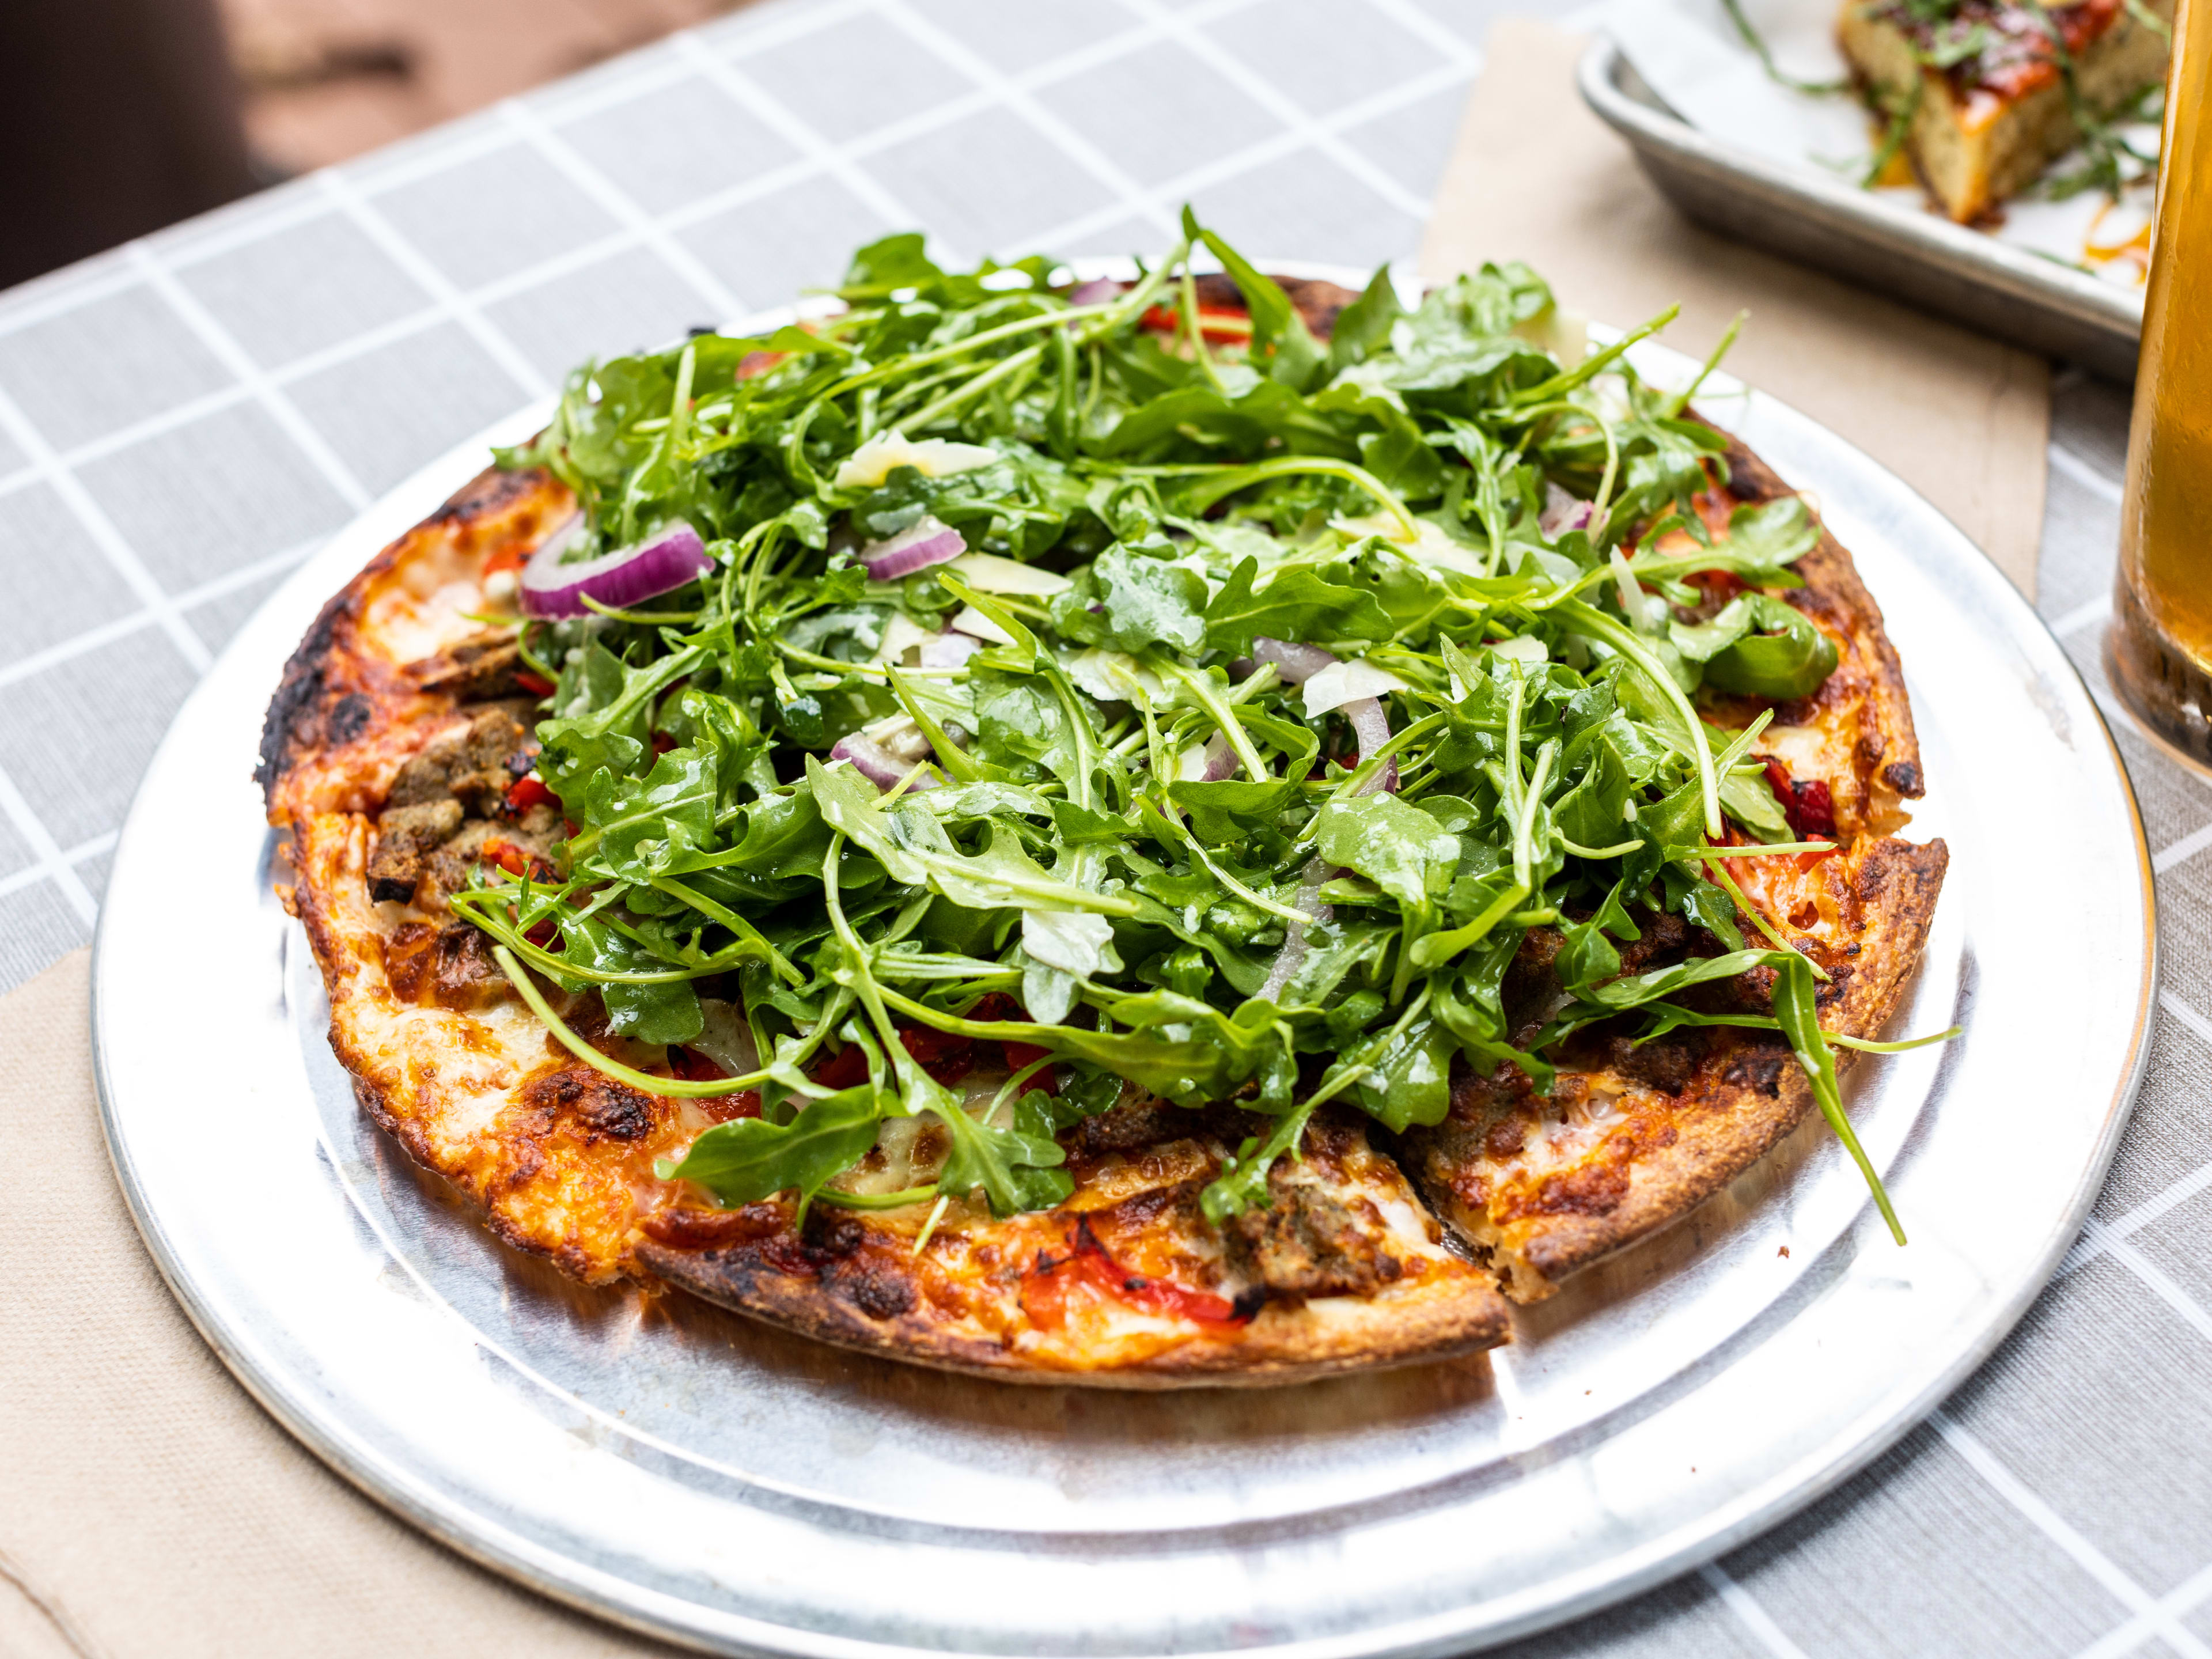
<point x="1636" y="1129"/>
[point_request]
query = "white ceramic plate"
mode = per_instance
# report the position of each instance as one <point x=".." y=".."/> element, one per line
<point x="680" y="1469"/>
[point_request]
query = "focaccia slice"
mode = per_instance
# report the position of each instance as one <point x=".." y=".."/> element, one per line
<point x="1631" y="1136"/>
<point x="1988" y="126"/>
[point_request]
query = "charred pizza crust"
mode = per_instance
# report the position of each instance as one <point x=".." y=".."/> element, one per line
<point x="1346" y="1271"/>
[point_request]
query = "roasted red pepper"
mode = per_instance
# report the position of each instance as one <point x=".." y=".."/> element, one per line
<point x="944" y="1056"/>
<point x="1809" y="806"/>
<point x="693" y="1066"/>
<point x="537" y="684"/>
<point x="528" y="791"/>
<point x="1219" y="324"/>
<point x="515" y="860"/>
<point x="996" y="1006"/>
<point x="1044" y="1289"/>
<point x="846" y="1069"/>
<point x="1722" y="585"/>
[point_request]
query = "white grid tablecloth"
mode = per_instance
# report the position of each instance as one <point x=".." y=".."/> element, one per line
<point x="184" y="420"/>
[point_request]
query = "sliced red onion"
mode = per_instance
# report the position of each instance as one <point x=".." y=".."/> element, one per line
<point x="925" y="542"/>
<point x="948" y="649"/>
<point x="1214" y="762"/>
<point x="876" y="763"/>
<point x="1296" y="663"/>
<point x="670" y="556"/>
<point x="1097" y="291"/>
<point x="1308" y="899"/>
<point x="1372" y="727"/>
<point x="1562" y="512"/>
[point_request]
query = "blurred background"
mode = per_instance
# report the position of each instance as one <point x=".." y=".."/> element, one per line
<point x="126" y="115"/>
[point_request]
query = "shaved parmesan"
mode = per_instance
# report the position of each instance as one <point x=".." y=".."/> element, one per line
<point x="973" y="624"/>
<point x="1341" y="682"/>
<point x="993" y="574"/>
<point x="1116" y="677"/>
<point x="934" y="458"/>
<point x="1429" y="545"/>
<point x="900" y="635"/>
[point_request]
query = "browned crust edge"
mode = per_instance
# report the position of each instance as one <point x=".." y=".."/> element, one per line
<point x="1439" y="1320"/>
<point x="1730" y="1124"/>
<point x="332" y="693"/>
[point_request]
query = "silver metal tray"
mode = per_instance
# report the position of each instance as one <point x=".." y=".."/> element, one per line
<point x="679" y="1469"/>
<point x="1918" y="257"/>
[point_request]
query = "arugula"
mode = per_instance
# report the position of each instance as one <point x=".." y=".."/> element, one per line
<point x="1119" y="844"/>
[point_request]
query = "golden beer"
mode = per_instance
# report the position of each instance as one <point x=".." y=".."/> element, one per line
<point x="2160" y="646"/>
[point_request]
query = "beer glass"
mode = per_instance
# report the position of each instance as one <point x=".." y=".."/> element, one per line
<point x="2159" y="649"/>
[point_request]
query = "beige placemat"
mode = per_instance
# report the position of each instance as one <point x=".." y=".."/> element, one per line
<point x="148" y="1507"/>
<point x="1535" y="176"/>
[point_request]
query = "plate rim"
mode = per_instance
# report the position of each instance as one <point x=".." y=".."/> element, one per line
<point x="571" y="1582"/>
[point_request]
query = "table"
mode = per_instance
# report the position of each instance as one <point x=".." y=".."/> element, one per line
<point x="184" y="419"/>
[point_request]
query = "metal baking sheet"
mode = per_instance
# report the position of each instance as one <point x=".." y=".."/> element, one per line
<point x="679" y="1469"/>
<point x="1918" y="257"/>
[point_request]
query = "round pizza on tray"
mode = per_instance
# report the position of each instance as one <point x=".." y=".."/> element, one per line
<point x="1198" y="828"/>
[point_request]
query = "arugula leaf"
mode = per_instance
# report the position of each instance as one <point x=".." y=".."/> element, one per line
<point x="749" y="1159"/>
<point x="1760" y="646"/>
<point x="1282" y="346"/>
<point x="1363" y="328"/>
<point x="1797" y="1010"/>
<point x="1398" y="847"/>
<point x="1017" y="1169"/>
<point x="1294" y="605"/>
<point x="1149" y="601"/>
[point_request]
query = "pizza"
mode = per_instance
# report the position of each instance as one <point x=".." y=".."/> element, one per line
<point x="1201" y="828"/>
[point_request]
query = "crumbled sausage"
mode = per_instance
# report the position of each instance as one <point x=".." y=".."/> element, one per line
<point x="404" y="835"/>
<point x="472" y="671"/>
<point x="1307" y="1243"/>
<point x="468" y="976"/>
<point x="468" y="764"/>
<point x="1758" y="1068"/>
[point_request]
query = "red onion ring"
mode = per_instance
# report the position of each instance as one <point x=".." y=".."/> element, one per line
<point x="1097" y="291"/>
<point x="670" y="556"/>
<point x="1562" y="512"/>
<point x="1307" y="898"/>
<point x="1221" y="760"/>
<point x="1296" y="663"/>
<point x="925" y="542"/>
<point x="1372" y="727"/>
